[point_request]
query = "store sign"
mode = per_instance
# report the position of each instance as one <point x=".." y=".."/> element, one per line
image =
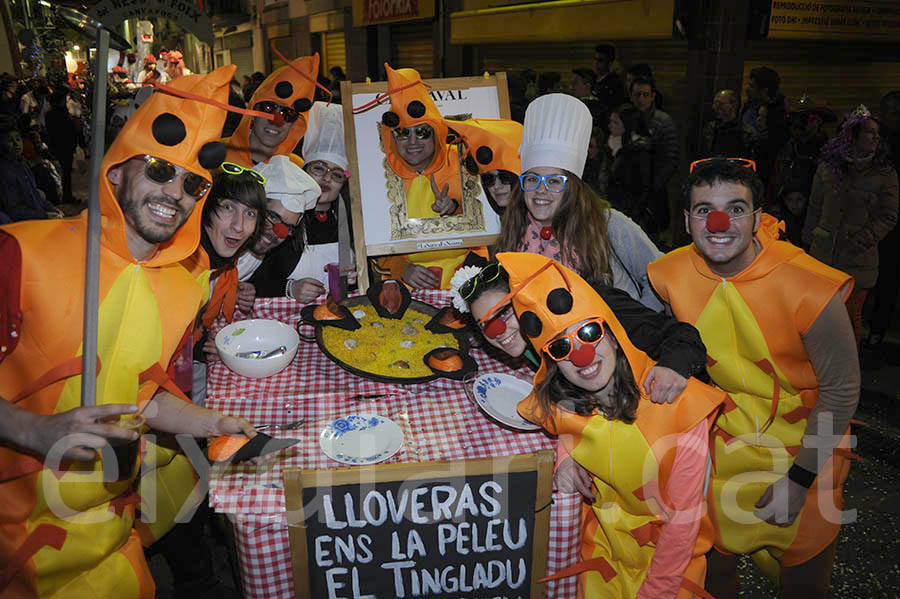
<point x="372" y="12"/>
<point x="872" y="20"/>
<point x="185" y="14"/>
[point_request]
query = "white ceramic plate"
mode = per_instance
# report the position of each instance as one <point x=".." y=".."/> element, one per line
<point x="361" y="439"/>
<point x="498" y="394"/>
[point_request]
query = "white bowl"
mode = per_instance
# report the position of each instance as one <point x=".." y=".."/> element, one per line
<point x="254" y="335"/>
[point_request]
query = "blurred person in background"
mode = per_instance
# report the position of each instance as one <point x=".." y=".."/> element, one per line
<point x="853" y="205"/>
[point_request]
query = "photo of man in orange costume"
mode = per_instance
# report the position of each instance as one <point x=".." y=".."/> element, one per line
<point x="414" y="138"/>
<point x="63" y="533"/>
<point x="780" y="343"/>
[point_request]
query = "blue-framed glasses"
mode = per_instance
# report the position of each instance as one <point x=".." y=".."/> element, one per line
<point x="552" y="183"/>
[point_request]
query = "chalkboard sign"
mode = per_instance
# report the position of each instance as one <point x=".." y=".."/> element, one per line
<point x="473" y="529"/>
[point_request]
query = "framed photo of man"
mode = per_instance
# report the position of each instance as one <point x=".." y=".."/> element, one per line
<point x="410" y="189"/>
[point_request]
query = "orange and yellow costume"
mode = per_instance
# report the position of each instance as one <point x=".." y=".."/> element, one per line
<point x="411" y="105"/>
<point x="630" y="464"/>
<point x="291" y="85"/>
<point x="62" y="533"/>
<point x="752" y="325"/>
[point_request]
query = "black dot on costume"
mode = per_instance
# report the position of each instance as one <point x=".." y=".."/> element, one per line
<point x="471" y="166"/>
<point x="390" y="119"/>
<point x="284" y="89"/>
<point x="484" y="155"/>
<point x="168" y="129"/>
<point x="559" y="301"/>
<point x="302" y="105"/>
<point x="211" y="155"/>
<point x="531" y="324"/>
<point x="415" y="109"/>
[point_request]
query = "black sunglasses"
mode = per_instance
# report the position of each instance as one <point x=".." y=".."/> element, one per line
<point x="162" y="172"/>
<point x="487" y="274"/>
<point x="504" y="177"/>
<point x="288" y="114"/>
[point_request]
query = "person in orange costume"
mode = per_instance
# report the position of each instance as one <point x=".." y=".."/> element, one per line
<point x="779" y="342"/>
<point x="287" y="93"/>
<point x="414" y="137"/>
<point x="63" y="534"/>
<point x="492" y="150"/>
<point x="645" y="535"/>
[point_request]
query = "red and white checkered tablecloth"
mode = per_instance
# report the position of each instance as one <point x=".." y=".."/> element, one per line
<point x="438" y="421"/>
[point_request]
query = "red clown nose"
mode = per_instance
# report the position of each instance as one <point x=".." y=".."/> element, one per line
<point x="717" y="221"/>
<point x="281" y="230"/>
<point x="495" y="327"/>
<point x="583" y="356"/>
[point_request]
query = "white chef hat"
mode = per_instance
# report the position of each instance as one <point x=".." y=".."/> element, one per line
<point x="324" y="139"/>
<point x="289" y="184"/>
<point x="557" y="133"/>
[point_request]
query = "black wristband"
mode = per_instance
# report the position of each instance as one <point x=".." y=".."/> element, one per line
<point x="801" y="476"/>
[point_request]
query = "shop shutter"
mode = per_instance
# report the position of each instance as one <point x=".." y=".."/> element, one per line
<point x="242" y="58"/>
<point x="335" y="50"/>
<point x="285" y="45"/>
<point x="413" y="47"/>
<point x="841" y="74"/>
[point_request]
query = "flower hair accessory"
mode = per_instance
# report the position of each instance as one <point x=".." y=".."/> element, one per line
<point x="459" y="277"/>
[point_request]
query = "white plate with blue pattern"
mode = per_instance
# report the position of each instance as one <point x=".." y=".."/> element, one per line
<point x="361" y="439"/>
<point x="498" y="394"/>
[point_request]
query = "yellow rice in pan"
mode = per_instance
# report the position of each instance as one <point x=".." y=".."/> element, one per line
<point x="378" y="349"/>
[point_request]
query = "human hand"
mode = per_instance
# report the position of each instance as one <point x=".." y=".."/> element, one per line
<point x="229" y="425"/>
<point x="664" y="384"/>
<point x="78" y="429"/>
<point x="771" y="506"/>
<point x="307" y="290"/>
<point x="443" y="203"/>
<point x="246" y="294"/>
<point x="571" y="477"/>
<point x="210" y="350"/>
<point x="420" y="277"/>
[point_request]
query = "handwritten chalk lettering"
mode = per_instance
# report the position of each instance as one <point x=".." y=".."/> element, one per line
<point x="465" y="537"/>
<point x="456" y="578"/>
<point x="334" y="584"/>
<point x="414" y="545"/>
<point x="349" y="550"/>
<point x="446" y="503"/>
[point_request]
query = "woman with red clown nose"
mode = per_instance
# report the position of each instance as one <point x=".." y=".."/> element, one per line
<point x="646" y="533"/>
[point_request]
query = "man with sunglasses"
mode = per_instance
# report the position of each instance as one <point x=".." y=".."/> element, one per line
<point x="153" y="180"/>
<point x="780" y="343"/>
<point x="413" y="135"/>
<point x="286" y="93"/>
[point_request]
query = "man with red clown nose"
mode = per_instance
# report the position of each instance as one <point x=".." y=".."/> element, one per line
<point x="65" y="532"/>
<point x="287" y="94"/>
<point x="780" y="343"/>
<point x="413" y="136"/>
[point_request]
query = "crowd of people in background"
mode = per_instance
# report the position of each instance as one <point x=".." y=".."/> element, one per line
<point x="582" y="190"/>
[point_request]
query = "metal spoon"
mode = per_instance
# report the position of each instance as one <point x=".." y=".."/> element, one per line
<point x="261" y="354"/>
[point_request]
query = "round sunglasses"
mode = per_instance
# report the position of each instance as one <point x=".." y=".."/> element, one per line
<point x="319" y="171"/>
<point x="162" y="172"/>
<point x="589" y="333"/>
<point x="422" y="132"/>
